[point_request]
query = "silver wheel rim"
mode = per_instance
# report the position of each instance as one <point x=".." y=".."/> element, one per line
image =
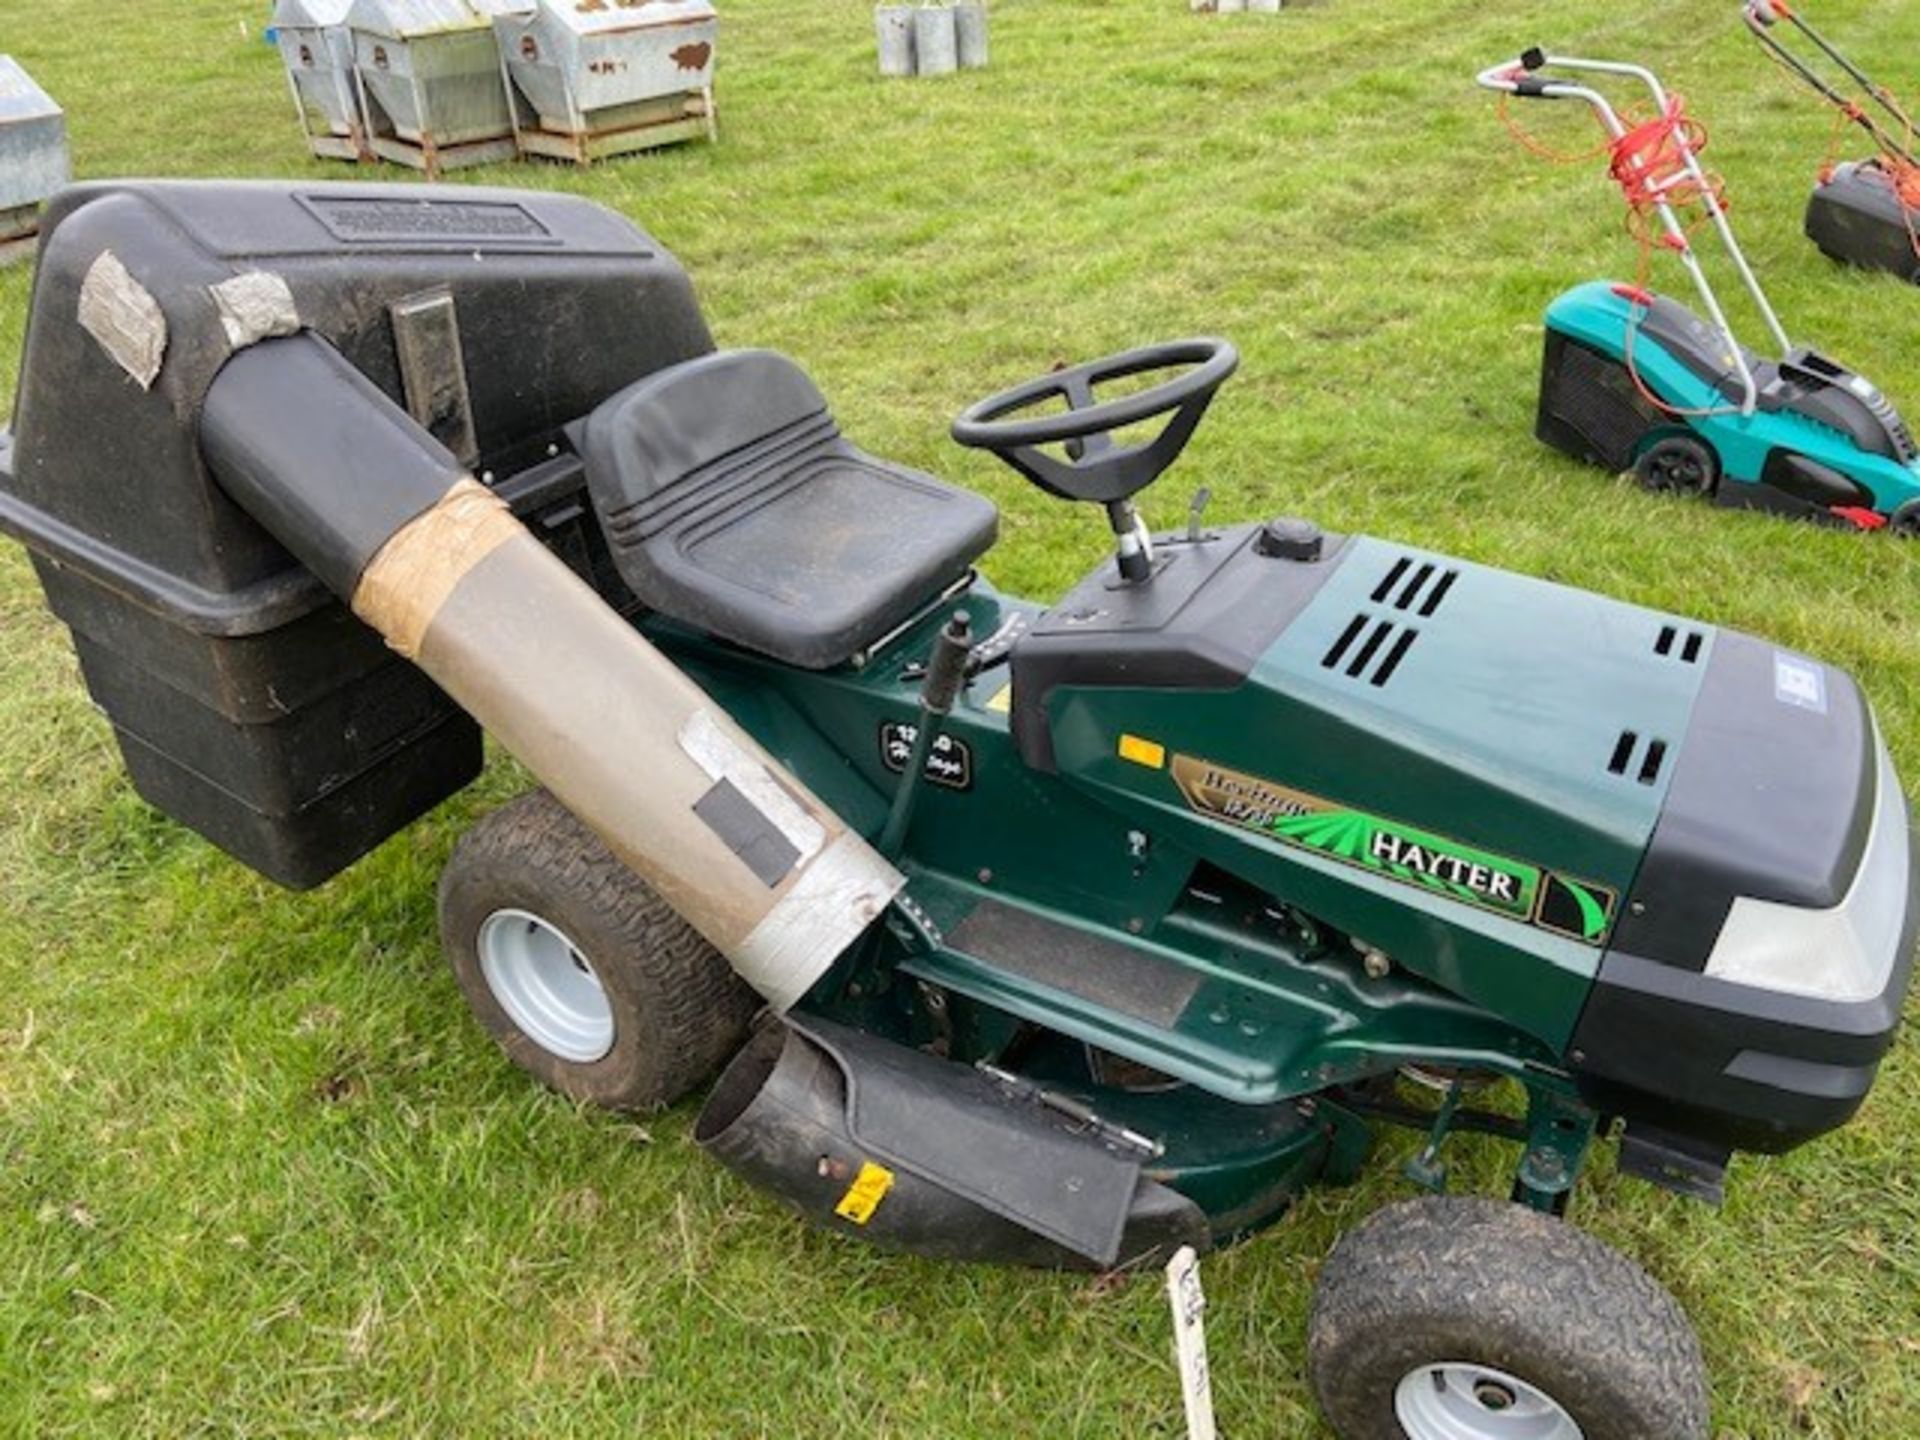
<point x="546" y="986"/>
<point x="1459" y="1401"/>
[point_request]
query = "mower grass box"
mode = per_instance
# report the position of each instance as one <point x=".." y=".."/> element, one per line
<point x="248" y="703"/>
<point x="1090" y="930"/>
<point x="1857" y="215"/>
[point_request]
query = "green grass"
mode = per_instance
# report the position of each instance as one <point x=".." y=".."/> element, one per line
<point x="259" y="1174"/>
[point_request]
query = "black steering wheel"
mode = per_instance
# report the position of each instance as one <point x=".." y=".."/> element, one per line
<point x="1095" y="468"/>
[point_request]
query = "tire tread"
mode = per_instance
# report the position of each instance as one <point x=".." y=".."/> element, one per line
<point x="658" y="968"/>
<point x="1488" y="1281"/>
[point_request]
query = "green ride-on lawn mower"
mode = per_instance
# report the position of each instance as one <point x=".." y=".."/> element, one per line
<point x="1077" y="932"/>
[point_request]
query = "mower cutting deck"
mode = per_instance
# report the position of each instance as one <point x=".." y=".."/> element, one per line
<point x="1865" y="212"/>
<point x="1086" y="930"/>
<point x="1637" y="381"/>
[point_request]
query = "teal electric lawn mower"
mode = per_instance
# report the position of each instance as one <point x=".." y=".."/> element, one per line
<point x="1637" y="381"/>
<point x="1064" y="934"/>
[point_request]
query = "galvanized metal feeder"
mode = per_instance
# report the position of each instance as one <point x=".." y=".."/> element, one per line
<point x="33" y="155"/>
<point x="589" y="80"/>
<point x="428" y="74"/>
<point x="317" y="49"/>
<point x="932" y="39"/>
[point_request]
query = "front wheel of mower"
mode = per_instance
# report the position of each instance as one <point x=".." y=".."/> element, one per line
<point x="1905" y="521"/>
<point x="1471" y="1319"/>
<point x="587" y="979"/>
<point x="1679" y="465"/>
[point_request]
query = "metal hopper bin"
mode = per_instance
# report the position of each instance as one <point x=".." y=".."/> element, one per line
<point x="33" y="154"/>
<point x="590" y="81"/>
<point x="428" y="73"/>
<point x="317" y="49"/>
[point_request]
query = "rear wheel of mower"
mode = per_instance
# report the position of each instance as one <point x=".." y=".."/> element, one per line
<point x="1472" y="1319"/>
<point x="587" y="979"/>
<point x="1905" y="521"/>
<point x="1679" y="465"/>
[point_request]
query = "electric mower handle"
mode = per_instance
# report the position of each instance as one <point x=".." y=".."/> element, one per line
<point x="1521" y="78"/>
<point x="1517" y="77"/>
<point x="1095" y="469"/>
<point x="1763" y="15"/>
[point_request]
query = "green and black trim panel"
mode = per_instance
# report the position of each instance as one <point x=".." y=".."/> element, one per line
<point x="1719" y="1061"/>
<point x="1517" y="889"/>
<point x="1772" y="795"/>
<point x="1214" y="608"/>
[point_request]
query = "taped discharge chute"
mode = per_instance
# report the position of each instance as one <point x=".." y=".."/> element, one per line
<point x="437" y="564"/>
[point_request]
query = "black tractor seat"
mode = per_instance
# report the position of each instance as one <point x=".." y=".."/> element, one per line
<point x="731" y="502"/>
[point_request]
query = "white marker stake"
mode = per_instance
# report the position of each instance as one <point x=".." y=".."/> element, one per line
<point x="1190" y="1341"/>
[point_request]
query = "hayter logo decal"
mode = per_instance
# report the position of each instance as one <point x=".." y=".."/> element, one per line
<point x="1486" y="881"/>
<point x="1474" y="877"/>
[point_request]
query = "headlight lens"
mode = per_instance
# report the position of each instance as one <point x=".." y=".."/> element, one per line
<point x="1843" y="954"/>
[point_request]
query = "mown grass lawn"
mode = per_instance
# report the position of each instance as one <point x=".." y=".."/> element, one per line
<point x="260" y="1175"/>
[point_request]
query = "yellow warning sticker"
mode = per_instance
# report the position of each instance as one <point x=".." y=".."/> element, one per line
<point x="1001" y="701"/>
<point x="1150" y="753"/>
<point x="863" y="1197"/>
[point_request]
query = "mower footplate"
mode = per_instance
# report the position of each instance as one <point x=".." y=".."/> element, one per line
<point x="1252" y="1019"/>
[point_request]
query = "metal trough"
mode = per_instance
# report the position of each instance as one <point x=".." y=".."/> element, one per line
<point x="593" y="78"/>
<point x="33" y="155"/>
<point x="428" y="74"/>
<point x="317" y="49"/>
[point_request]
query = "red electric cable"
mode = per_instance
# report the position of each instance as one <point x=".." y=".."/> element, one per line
<point x="1648" y="163"/>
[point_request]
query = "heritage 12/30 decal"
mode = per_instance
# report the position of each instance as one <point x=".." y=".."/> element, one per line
<point x="1513" y="888"/>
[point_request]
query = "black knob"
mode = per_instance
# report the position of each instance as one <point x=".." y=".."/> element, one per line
<point x="1290" y="539"/>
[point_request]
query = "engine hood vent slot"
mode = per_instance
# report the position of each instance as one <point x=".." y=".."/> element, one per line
<point x="1641" y="763"/>
<point x="1416" y="586"/>
<point x="1370" y="648"/>
<point x="1677" y="644"/>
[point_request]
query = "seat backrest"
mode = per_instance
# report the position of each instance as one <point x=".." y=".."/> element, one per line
<point x="731" y="502"/>
<point x="672" y="430"/>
